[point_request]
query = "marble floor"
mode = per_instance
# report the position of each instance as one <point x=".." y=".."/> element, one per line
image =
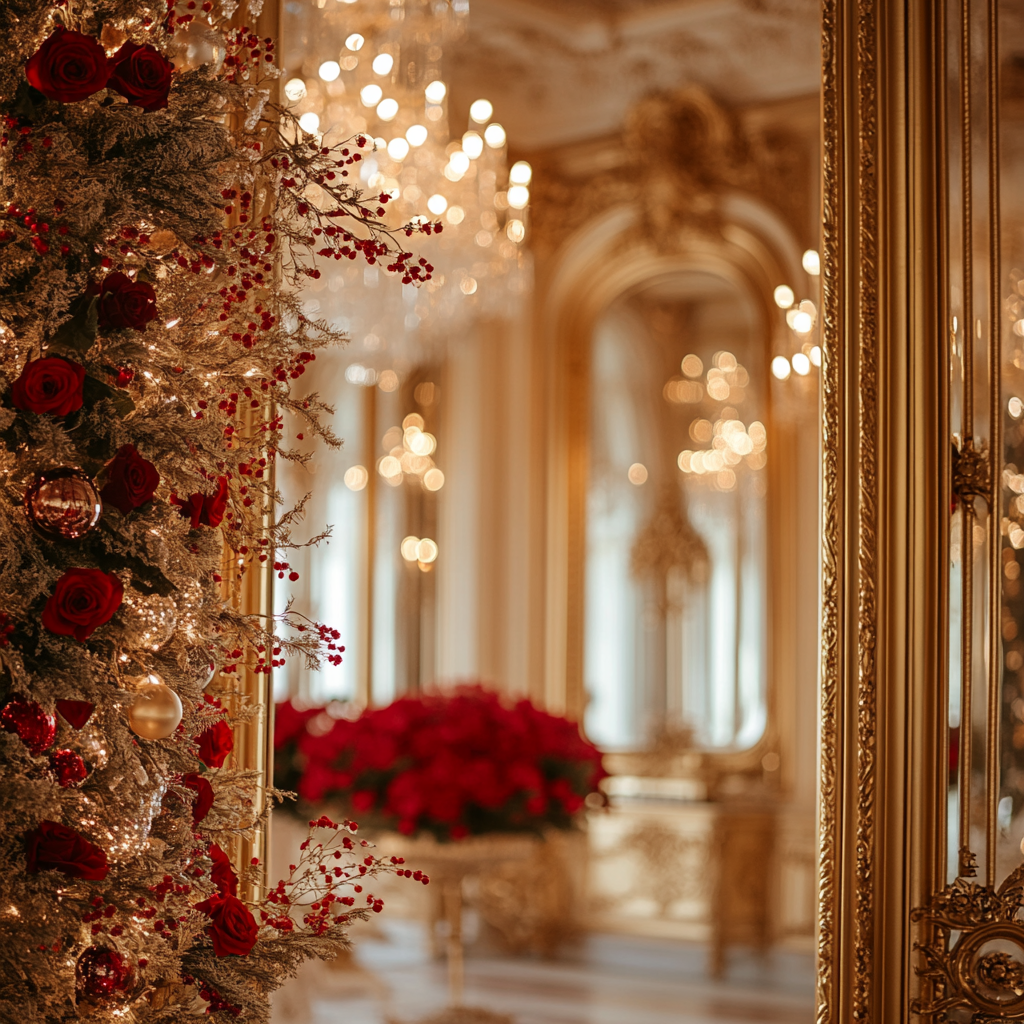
<point x="606" y="980"/>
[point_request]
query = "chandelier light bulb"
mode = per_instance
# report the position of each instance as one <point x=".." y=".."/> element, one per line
<point x="398" y="149"/>
<point x="387" y="109"/>
<point x="481" y="110"/>
<point x="784" y="297"/>
<point x="436" y="92"/>
<point x="518" y="197"/>
<point x="494" y="136"/>
<point x="354" y="42"/>
<point x="370" y="95"/>
<point x="520" y="173"/>
<point x="356" y="478"/>
<point x="382" y="64"/>
<point x="416" y="135"/>
<point x="426" y="550"/>
<point x="329" y="70"/>
<point x="472" y="145"/>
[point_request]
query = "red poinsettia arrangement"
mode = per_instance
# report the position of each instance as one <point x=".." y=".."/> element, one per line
<point x="453" y="765"/>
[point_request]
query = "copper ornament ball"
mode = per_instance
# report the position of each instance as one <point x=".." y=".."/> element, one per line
<point x="63" y="503"/>
<point x="156" y="711"/>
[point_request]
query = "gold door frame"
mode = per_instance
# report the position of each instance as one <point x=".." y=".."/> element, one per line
<point x="895" y="943"/>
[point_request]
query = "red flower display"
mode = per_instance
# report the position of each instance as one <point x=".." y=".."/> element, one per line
<point x="215" y="744"/>
<point x="68" y="67"/>
<point x="223" y="874"/>
<point x="131" y="480"/>
<point x="55" y="847"/>
<point x="142" y="75"/>
<point x="456" y="765"/>
<point x="199" y="785"/>
<point x="81" y="602"/>
<point x="205" y="509"/>
<point x="49" y="385"/>
<point x="125" y="303"/>
<point x="233" y="929"/>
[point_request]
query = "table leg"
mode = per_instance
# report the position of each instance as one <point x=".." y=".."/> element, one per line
<point x="453" y="905"/>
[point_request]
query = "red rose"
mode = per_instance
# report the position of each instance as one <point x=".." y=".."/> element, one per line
<point x="233" y="929"/>
<point x="131" y="480"/>
<point x="125" y="303"/>
<point x="215" y="744"/>
<point x="199" y="785"/>
<point x="141" y="75"/>
<point x="54" y="847"/>
<point x="69" y="66"/>
<point x="205" y="509"/>
<point x="82" y="601"/>
<point x="51" y="384"/>
<point x="222" y="874"/>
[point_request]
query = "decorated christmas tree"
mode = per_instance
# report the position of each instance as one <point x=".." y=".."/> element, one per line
<point x="159" y="216"/>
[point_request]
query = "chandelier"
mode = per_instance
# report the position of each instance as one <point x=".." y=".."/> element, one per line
<point x="375" y="68"/>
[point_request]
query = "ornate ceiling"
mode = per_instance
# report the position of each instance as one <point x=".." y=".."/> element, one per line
<point x="564" y="70"/>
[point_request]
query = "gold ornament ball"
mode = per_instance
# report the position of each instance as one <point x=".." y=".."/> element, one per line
<point x="63" y="503"/>
<point x="156" y="712"/>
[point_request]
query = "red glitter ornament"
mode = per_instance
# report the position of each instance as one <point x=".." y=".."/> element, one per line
<point x="104" y="978"/>
<point x="69" y="767"/>
<point x="34" y="727"/>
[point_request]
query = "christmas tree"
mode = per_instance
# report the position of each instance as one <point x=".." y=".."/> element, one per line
<point x="159" y="216"/>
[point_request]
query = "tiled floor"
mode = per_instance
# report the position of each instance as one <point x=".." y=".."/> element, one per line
<point x="607" y="980"/>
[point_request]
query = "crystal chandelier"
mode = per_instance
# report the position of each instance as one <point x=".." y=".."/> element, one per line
<point x="375" y="67"/>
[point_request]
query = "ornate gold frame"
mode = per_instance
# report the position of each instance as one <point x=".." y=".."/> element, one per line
<point x="885" y="949"/>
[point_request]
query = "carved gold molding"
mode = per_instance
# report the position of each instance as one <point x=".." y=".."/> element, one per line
<point x="885" y="489"/>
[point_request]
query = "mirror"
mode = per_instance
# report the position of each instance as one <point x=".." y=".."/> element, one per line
<point x="675" y="618"/>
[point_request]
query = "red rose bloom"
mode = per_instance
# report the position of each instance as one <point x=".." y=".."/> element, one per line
<point x="51" y="384"/>
<point x="141" y="75"/>
<point x="204" y="796"/>
<point x="68" y="67"/>
<point x="222" y="874"/>
<point x="215" y="744"/>
<point x="81" y="602"/>
<point x="205" y="509"/>
<point x="131" y="480"/>
<point x="232" y="928"/>
<point x="54" y="847"/>
<point x="125" y="303"/>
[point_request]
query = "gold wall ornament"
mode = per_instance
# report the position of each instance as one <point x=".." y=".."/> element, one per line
<point x="974" y="961"/>
<point x="971" y="471"/>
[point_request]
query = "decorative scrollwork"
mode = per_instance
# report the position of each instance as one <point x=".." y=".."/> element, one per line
<point x="970" y="471"/>
<point x="982" y="971"/>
